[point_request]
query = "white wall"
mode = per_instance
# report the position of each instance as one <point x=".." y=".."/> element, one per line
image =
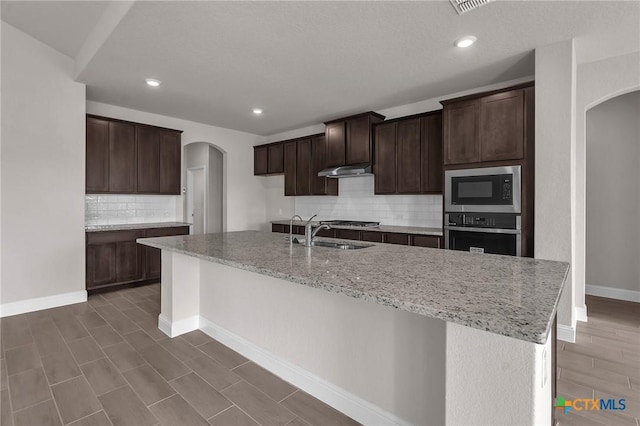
<point x="244" y="196"/>
<point x="43" y="150"/>
<point x="555" y="150"/>
<point x="613" y="194"/>
<point x="597" y="82"/>
<point x="357" y="202"/>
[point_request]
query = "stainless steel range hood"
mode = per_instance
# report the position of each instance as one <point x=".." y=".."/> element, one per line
<point x="346" y="171"/>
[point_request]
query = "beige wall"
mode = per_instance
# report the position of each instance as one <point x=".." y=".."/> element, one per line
<point x="43" y="172"/>
<point x="613" y="193"/>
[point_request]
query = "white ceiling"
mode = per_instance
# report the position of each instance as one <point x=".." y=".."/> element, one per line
<point x="311" y="61"/>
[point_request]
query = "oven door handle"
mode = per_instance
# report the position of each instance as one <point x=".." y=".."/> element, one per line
<point x="485" y="230"/>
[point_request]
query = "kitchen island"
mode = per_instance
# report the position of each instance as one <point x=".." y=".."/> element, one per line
<point x="387" y="334"/>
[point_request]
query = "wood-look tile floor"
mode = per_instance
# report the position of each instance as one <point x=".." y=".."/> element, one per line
<point x="104" y="362"/>
<point x="604" y="362"/>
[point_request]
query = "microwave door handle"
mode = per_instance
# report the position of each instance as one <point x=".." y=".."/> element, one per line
<point x="485" y="230"/>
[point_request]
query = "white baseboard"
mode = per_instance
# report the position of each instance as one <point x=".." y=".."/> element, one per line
<point x="39" y="303"/>
<point x="338" y="398"/>
<point x="613" y="293"/>
<point x="566" y="333"/>
<point x="176" y="328"/>
<point x="581" y="313"/>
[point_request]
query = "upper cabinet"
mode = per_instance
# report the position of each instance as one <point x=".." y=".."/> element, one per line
<point x="131" y="158"/>
<point x="486" y="128"/>
<point x="408" y="155"/>
<point x="349" y="139"/>
<point x="268" y="159"/>
<point x="303" y="159"/>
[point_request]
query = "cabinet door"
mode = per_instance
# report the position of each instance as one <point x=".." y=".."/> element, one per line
<point x="122" y="158"/>
<point x="320" y="185"/>
<point x="426" y="241"/>
<point x="260" y="160"/>
<point x="128" y="261"/>
<point x="148" y="160"/>
<point x="358" y="140"/>
<point x="348" y="234"/>
<point x="101" y="264"/>
<point x="290" y="153"/>
<point x="153" y="256"/>
<point x="408" y="156"/>
<point x="336" y="140"/>
<point x="431" y="140"/>
<point x="502" y="126"/>
<point x="169" y="153"/>
<point x="385" y="158"/>
<point x="276" y="159"/>
<point x="393" y="238"/>
<point x="461" y="133"/>
<point x="97" y="155"/>
<point x="303" y="167"/>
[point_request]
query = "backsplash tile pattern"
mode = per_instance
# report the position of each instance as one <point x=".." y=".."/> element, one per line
<point x="113" y="209"/>
<point x="357" y="202"/>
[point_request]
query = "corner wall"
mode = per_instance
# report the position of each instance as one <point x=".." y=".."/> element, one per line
<point x="43" y="174"/>
<point x="613" y="198"/>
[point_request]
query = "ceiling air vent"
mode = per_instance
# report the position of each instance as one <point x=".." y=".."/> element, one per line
<point x="462" y="6"/>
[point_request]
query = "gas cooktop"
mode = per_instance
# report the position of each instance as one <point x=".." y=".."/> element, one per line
<point x="348" y="223"/>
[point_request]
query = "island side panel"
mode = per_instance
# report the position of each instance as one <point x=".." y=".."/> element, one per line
<point x="392" y="359"/>
<point x="496" y="380"/>
<point x="180" y="294"/>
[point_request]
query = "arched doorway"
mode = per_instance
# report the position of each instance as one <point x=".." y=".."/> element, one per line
<point x="204" y="177"/>
<point x="613" y="198"/>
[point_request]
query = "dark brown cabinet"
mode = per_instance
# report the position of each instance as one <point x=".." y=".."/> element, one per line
<point x="426" y="241"/>
<point x="336" y="143"/>
<point x="276" y="158"/>
<point x="385" y="158"/>
<point x="303" y="167"/>
<point x="408" y="155"/>
<point x="486" y="128"/>
<point x="260" y="160"/>
<point x="131" y="158"/>
<point x="170" y="146"/>
<point x="115" y="259"/>
<point x="290" y="171"/>
<point x="349" y="139"/>
<point x="320" y="185"/>
<point x="268" y="159"/>
<point x="122" y="157"/>
<point x="97" y="155"/>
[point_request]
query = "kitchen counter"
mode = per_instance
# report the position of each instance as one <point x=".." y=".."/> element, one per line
<point x="130" y="226"/>
<point x="509" y="296"/>
<point x="418" y="230"/>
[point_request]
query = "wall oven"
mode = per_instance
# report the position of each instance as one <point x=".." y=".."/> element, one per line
<point x="490" y="189"/>
<point x="495" y="233"/>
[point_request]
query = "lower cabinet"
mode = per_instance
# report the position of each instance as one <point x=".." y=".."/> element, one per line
<point x="115" y="259"/>
<point x="417" y="240"/>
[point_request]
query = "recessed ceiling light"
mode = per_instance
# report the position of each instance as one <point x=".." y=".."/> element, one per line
<point x="152" y="82"/>
<point x="465" y="41"/>
<point x="257" y="111"/>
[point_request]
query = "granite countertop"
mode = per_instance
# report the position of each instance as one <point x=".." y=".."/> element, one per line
<point x="382" y="228"/>
<point x="511" y="296"/>
<point x="129" y="226"/>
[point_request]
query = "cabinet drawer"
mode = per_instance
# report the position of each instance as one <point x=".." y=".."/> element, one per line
<point x="275" y="227"/>
<point x="375" y="237"/>
<point x="105" y="237"/>
<point x="330" y="233"/>
<point x="348" y="234"/>
<point x="392" y="238"/>
<point x="298" y="230"/>
<point x="426" y="241"/>
<point x="167" y="232"/>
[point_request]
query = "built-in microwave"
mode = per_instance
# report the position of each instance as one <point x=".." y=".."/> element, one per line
<point x="489" y="189"/>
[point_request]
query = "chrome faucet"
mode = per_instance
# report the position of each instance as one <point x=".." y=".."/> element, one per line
<point x="319" y="228"/>
<point x="291" y="227"/>
<point x="307" y="232"/>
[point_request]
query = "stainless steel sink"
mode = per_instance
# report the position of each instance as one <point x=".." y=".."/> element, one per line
<point x="341" y="245"/>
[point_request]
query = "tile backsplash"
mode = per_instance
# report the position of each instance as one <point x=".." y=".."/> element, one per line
<point x="113" y="209"/>
<point x="357" y="202"/>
